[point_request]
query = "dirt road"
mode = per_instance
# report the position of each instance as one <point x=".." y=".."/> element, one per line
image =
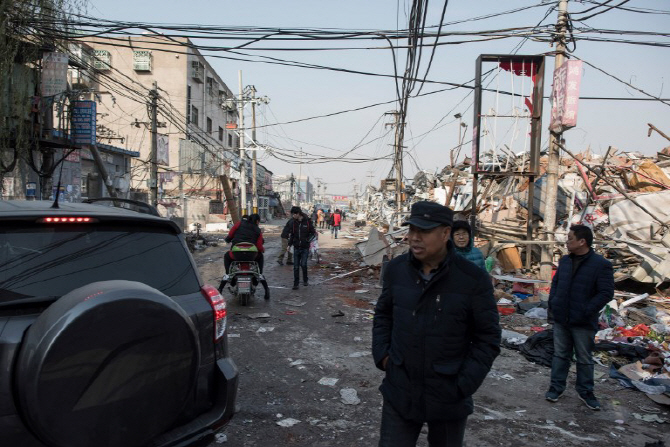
<point x="316" y="342"/>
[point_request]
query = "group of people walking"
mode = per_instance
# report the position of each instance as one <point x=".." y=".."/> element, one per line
<point x="436" y="329"/>
<point x="329" y="220"/>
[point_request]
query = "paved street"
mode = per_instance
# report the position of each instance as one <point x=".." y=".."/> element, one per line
<point x="282" y="359"/>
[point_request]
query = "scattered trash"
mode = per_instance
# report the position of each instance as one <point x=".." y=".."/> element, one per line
<point x="359" y="354"/>
<point x="339" y="313"/>
<point x="537" y="312"/>
<point x="650" y="418"/>
<point x="233" y="335"/>
<point x="349" y="396"/>
<point x="259" y="315"/>
<point x="221" y="438"/>
<point x="297" y="362"/>
<point x="266" y="329"/>
<point x="328" y="381"/>
<point x="362" y="291"/>
<point x="288" y="422"/>
<point x="293" y="303"/>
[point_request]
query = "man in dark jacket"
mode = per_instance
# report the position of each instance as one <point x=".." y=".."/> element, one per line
<point x="582" y="285"/>
<point x="300" y="235"/>
<point x="435" y="333"/>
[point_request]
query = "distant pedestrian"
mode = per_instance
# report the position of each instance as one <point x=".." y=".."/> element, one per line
<point x="461" y="234"/>
<point x="321" y="217"/>
<point x="301" y="232"/>
<point x="435" y="333"/>
<point x="329" y="217"/>
<point x="582" y="285"/>
<point x="336" y="223"/>
<point x="285" y="248"/>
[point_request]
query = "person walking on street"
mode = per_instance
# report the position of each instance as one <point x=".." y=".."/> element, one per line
<point x="582" y="285"/>
<point x="461" y="235"/>
<point x="320" y="216"/>
<point x="337" y="222"/>
<point x="301" y="232"/>
<point x="329" y="217"/>
<point x="284" y="244"/>
<point x="435" y="334"/>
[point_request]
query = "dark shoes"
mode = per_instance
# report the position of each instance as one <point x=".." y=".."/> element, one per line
<point x="552" y="395"/>
<point x="590" y="400"/>
<point x="296" y="286"/>
<point x="305" y="283"/>
<point x="289" y="262"/>
<point x="280" y="262"/>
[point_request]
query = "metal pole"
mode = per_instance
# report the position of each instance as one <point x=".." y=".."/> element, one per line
<point x="254" y="186"/>
<point x="554" y="158"/>
<point x="154" y="146"/>
<point x="243" y="164"/>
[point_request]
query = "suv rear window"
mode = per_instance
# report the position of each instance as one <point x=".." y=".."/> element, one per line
<point x="39" y="261"/>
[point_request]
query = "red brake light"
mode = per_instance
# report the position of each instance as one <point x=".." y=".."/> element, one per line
<point x="219" y="308"/>
<point x="67" y="219"/>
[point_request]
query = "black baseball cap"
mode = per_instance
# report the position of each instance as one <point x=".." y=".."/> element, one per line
<point x="428" y="215"/>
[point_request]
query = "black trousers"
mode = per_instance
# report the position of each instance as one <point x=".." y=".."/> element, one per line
<point x="397" y="431"/>
<point x="227" y="260"/>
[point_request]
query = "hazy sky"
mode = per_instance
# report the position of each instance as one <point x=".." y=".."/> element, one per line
<point x="298" y="93"/>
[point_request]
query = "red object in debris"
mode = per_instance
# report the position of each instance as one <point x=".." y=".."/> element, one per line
<point x="537" y="328"/>
<point x="506" y="310"/>
<point x="639" y="330"/>
<point x="290" y="312"/>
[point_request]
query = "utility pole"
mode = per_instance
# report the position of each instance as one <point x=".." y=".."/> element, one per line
<point x="243" y="164"/>
<point x="299" y="175"/>
<point x="254" y="186"/>
<point x="154" y="145"/>
<point x="397" y="160"/>
<point x="554" y="158"/>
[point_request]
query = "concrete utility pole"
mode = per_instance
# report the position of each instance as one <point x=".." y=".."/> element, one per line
<point x="554" y="158"/>
<point x="254" y="186"/>
<point x="154" y="145"/>
<point x="299" y="176"/>
<point x="243" y="164"/>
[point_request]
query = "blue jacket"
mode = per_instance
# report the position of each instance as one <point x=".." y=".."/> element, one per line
<point x="441" y="337"/>
<point x="576" y="300"/>
<point x="472" y="254"/>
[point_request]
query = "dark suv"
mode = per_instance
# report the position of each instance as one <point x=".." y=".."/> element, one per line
<point x="108" y="336"/>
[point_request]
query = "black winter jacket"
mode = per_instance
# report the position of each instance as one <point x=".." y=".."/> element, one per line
<point x="301" y="232"/>
<point x="441" y="339"/>
<point x="287" y="229"/>
<point x="576" y="300"/>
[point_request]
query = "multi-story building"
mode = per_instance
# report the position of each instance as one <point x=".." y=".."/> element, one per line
<point x="197" y="118"/>
<point x="293" y="189"/>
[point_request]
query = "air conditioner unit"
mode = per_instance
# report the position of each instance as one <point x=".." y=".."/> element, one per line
<point x="142" y="60"/>
<point x="197" y="71"/>
<point x="102" y="60"/>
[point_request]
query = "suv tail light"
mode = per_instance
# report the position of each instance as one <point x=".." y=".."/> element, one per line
<point x="220" y="309"/>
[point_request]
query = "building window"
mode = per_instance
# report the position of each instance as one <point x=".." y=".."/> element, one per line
<point x="220" y="133"/>
<point x="212" y="87"/>
<point x="188" y="104"/>
<point x="194" y="115"/>
<point x="103" y="60"/>
<point x="209" y="125"/>
<point x="230" y="140"/>
<point x="142" y="60"/>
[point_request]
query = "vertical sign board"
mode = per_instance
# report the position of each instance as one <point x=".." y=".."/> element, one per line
<point x="54" y="74"/>
<point x="565" y="96"/>
<point x="163" y="149"/>
<point x="83" y="122"/>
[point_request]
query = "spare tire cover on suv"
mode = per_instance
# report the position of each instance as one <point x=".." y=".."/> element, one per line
<point x="109" y="364"/>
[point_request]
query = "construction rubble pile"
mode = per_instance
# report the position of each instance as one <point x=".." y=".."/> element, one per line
<point x="623" y="197"/>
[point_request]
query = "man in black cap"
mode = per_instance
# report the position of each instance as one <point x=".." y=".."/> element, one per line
<point x="435" y="334"/>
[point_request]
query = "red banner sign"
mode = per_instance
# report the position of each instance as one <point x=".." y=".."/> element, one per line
<point x="565" y="96"/>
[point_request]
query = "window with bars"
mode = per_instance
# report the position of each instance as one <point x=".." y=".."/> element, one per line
<point x="102" y="60"/>
<point x="188" y="104"/>
<point x="209" y="125"/>
<point x="194" y="115"/>
<point x="230" y="140"/>
<point x="220" y="133"/>
<point x="142" y="60"/>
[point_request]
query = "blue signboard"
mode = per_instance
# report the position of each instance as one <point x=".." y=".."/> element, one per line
<point x="83" y="122"/>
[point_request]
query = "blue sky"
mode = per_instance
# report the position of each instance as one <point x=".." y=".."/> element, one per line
<point x="298" y="93"/>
